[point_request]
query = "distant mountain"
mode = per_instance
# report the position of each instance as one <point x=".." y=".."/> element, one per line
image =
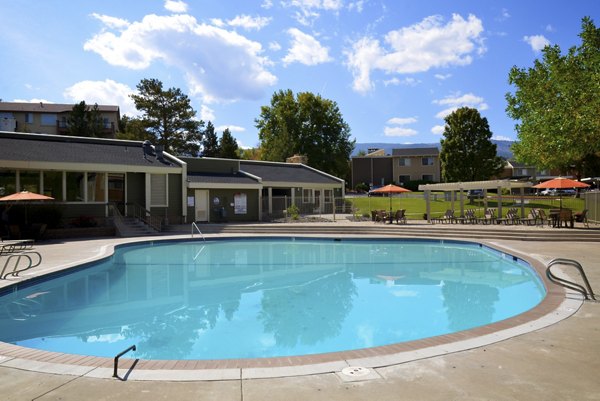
<point x="503" y="147"/>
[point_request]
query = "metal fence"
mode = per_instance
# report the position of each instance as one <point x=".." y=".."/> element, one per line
<point x="592" y="204"/>
<point x="280" y="207"/>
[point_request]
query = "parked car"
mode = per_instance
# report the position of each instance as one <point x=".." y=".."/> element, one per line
<point x="547" y="192"/>
<point x="566" y="192"/>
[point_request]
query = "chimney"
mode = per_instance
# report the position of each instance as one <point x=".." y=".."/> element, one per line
<point x="298" y="159"/>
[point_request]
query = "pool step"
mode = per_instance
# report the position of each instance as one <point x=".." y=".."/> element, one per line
<point x="417" y="230"/>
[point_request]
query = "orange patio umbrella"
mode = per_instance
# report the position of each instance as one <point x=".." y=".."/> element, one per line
<point x="24" y="196"/>
<point x="390" y="189"/>
<point x="561" y="183"/>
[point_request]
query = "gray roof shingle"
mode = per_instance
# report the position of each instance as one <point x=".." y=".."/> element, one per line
<point x="68" y="149"/>
<point x="214" y="178"/>
<point x="286" y="172"/>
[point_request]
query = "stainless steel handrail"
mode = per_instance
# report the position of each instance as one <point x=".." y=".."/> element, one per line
<point x="16" y="264"/>
<point x="194" y="225"/>
<point x="116" y="363"/>
<point x="587" y="291"/>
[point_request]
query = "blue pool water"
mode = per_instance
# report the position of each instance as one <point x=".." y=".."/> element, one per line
<point x="253" y="298"/>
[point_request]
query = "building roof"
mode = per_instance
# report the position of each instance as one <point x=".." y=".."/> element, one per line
<point x="215" y="178"/>
<point x="21" y="147"/>
<point x="432" y="151"/>
<point x="287" y="172"/>
<point x="462" y="186"/>
<point x="47" y="107"/>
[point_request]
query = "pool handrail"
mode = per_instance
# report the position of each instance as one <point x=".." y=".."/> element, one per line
<point x="194" y="225"/>
<point x="116" y="361"/>
<point x="16" y="259"/>
<point x="586" y="292"/>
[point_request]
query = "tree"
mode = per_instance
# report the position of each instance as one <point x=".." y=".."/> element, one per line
<point x="468" y="153"/>
<point x="84" y="121"/>
<point x="557" y="106"/>
<point x="210" y="142"/>
<point x="250" y="153"/>
<point x="169" y="117"/>
<point x="305" y="124"/>
<point x="228" y="146"/>
<point x="132" y="128"/>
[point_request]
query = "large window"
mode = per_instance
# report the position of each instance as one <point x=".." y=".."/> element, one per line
<point x="48" y="119"/>
<point x="29" y="118"/>
<point x="53" y="184"/>
<point x="306" y="195"/>
<point x="427" y="161"/>
<point x="96" y="184"/>
<point x="30" y="181"/>
<point x="75" y="187"/>
<point x="428" y="177"/>
<point x="8" y="182"/>
<point x="403" y="179"/>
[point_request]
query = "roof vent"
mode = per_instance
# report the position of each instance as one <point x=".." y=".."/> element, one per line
<point x="159" y="153"/>
<point x="147" y="148"/>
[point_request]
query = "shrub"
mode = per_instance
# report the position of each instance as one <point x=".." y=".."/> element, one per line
<point x="293" y="212"/>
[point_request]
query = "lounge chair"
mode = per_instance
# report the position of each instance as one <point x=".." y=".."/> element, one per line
<point x="447" y="217"/>
<point x="512" y="217"/>
<point x="489" y="217"/>
<point x="531" y="218"/>
<point x="468" y="218"/>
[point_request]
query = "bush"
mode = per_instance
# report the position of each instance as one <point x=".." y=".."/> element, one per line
<point x="293" y="212"/>
<point x="362" y="187"/>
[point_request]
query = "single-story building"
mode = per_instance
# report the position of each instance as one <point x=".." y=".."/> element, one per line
<point x="92" y="176"/>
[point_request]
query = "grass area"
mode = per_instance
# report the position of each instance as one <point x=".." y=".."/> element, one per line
<point x="416" y="207"/>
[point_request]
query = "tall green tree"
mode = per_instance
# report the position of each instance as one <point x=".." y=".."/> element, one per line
<point x="468" y="153"/>
<point x="85" y="121"/>
<point x="228" y="146"/>
<point x="305" y="124"/>
<point x="132" y="128"/>
<point x="169" y="117"/>
<point x="210" y="142"/>
<point x="557" y="106"/>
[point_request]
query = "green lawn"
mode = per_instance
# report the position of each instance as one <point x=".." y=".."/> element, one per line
<point x="415" y="207"/>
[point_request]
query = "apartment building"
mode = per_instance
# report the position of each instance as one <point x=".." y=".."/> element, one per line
<point x="50" y="118"/>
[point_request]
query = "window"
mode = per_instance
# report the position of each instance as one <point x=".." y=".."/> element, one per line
<point x="427" y="161"/>
<point x="328" y="195"/>
<point x="428" y="177"/>
<point x="404" y="162"/>
<point x="53" y="184"/>
<point x="29" y="118"/>
<point x="8" y="182"/>
<point x="306" y="195"/>
<point x="96" y="185"/>
<point x="75" y="187"/>
<point x="48" y="119"/>
<point x="403" y="179"/>
<point x="158" y="190"/>
<point x="30" y="181"/>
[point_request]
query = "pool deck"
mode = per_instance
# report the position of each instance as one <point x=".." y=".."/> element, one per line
<point x="558" y="360"/>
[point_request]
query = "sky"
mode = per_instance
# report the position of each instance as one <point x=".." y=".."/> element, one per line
<point x="395" y="68"/>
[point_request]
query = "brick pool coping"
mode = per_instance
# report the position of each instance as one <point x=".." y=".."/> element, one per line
<point x="554" y="307"/>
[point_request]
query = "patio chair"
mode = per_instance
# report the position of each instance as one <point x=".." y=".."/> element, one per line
<point x="382" y="216"/>
<point x="447" y="217"/>
<point x="566" y="216"/>
<point x="489" y="217"/>
<point x="400" y="216"/>
<point x="468" y="218"/>
<point x="581" y="217"/>
<point x="531" y="218"/>
<point x="512" y="217"/>
<point x="541" y="217"/>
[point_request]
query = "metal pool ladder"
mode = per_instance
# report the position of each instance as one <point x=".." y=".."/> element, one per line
<point x="194" y="225"/>
<point x="587" y="291"/>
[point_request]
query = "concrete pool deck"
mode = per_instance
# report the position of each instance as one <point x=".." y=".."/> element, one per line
<point x="559" y="361"/>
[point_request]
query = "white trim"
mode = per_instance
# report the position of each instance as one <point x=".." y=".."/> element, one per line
<point x="98" y="167"/>
<point x="216" y="185"/>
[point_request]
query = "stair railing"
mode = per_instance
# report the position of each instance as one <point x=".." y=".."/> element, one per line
<point x="142" y="214"/>
<point x="586" y="292"/>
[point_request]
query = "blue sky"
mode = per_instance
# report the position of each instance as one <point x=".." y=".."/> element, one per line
<point x="395" y="68"/>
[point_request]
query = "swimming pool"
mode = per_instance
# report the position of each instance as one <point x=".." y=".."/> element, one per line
<point x="256" y="298"/>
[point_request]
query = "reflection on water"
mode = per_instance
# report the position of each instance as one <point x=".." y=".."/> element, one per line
<point x="252" y="298"/>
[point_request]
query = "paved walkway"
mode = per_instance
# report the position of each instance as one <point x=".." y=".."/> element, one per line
<point x="559" y="362"/>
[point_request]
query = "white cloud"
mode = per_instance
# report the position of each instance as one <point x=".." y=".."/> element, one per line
<point x="402" y="121"/>
<point x="232" y="128"/>
<point x="218" y="22"/>
<point x="437" y="129"/>
<point x="405" y="82"/>
<point x="305" y="49"/>
<point x="34" y="100"/>
<point x="274" y="46"/>
<point x="550" y="28"/>
<point x="501" y="138"/>
<point x="416" y="48"/>
<point x="308" y="10"/>
<point x="206" y="113"/>
<point x="176" y="6"/>
<point x="399" y="131"/>
<point x="217" y="64"/>
<point x="442" y="77"/>
<point x="537" y="42"/>
<point x="247" y="22"/>
<point x="398" y="128"/>
<point x="356" y="5"/>
<point x="457" y="101"/>
<point x="267" y="4"/>
<point x="111" y="22"/>
<point x="107" y="92"/>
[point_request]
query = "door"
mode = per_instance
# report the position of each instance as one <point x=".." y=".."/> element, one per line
<point x="201" y="202"/>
